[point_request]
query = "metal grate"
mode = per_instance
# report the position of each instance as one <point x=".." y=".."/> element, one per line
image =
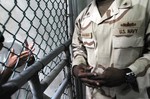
<point x="43" y="22"/>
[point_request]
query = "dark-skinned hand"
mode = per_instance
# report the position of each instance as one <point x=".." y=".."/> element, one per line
<point x="111" y="77"/>
<point x="83" y="73"/>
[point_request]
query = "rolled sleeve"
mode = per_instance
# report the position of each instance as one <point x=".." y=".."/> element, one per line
<point x="139" y="65"/>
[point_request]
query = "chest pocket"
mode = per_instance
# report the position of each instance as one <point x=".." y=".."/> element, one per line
<point x="127" y="42"/>
<point x="126" y="50"/>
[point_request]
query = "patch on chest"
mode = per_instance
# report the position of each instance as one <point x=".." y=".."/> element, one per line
<point x="126" y="32"/>
<point x="127" y="28"/>
<point x="86" y="35"/>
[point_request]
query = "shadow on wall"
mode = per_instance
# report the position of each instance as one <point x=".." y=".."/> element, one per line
<point x="81" y="4"/>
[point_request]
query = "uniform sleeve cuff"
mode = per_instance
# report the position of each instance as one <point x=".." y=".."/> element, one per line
<point x="139" y="65"/>
<point x="78" y="60"/>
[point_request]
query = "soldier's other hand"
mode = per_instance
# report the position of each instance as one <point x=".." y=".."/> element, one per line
<point x="111" y="77"/>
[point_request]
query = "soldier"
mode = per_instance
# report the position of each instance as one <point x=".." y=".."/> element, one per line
<point x="111" y="46"/>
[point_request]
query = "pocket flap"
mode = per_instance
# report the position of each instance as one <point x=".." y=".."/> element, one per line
<point x="127" y="42"/>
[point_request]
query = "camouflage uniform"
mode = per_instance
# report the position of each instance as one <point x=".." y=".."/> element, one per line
<point x="114" y="39"/>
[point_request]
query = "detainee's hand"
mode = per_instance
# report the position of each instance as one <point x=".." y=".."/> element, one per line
<point x="23" y="58"/>
<point x="28" y="53"/>
<point x="30" y="48"/>
<point x="111" y="77"/>
<point x="12" y="60"/>
<point x="83" y="73"/>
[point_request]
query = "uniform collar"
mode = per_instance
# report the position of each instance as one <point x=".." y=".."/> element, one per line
<point x="93" y="13"/>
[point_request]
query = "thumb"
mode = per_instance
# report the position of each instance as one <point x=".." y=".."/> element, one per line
<point x="88" y="68"/>
<point x="11" y="52"/>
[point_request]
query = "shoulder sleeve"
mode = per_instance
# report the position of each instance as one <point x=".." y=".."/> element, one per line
<point x="79" y="52"/>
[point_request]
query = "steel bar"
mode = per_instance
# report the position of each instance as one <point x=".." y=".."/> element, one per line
<point x="61" y="89"/>
<point x="46" y="82"/>
<point x="25" y="75"/>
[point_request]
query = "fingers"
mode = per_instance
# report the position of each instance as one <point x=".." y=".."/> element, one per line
<point x="88" y="68"/>
<point x="92" y="79"/>
<point x="29" y="46"/>
<point x="23" y="58"/>
<point x="24" y="54"/>
<point x="32" y="49"/>
<point x="93" y="83"/>
<point x="89" y="82"/>
<point x="11" y="52"/>
<point x="12" y="59"/>
<point x="86" y="74"/>
<point x="26" y="43"/>
<point x="99" y="77"/>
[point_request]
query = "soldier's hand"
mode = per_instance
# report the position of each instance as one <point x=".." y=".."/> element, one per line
<point x="111" y="77"/>
<point x="83" y="73"/>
